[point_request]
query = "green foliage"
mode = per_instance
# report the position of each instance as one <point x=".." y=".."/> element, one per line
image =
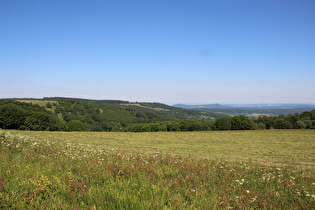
<point x="89" y="115"/>
<point x="17" y="115"/>
<point x="224" y="123"/>
<point x="241" y="122"/>
<point x="299" y="124"/>
<point x="296" y="121"/>
<point x="48" y="105"/>
<point x="75" y="125"/>
<point x="12" y="116"/>
<point x="261" y="126"/>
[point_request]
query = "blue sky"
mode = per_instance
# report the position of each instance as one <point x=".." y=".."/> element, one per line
<point x="169" y="51"/>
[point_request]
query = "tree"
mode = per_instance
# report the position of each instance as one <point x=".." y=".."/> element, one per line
<point x="146" y="128"/>
<point x="293" y="118"/>
<point x="184" y="125"/>
<point x="299" y="125"/>
<point x="48" y="105"/>
<point x="308" y="123"/>
<point x="162" y="127"/>
<point x="75" y="125"/>
<point x="173" y="126"/>
<point x="223" y="123"/>
<point x="12" y="116"/>
<point x="241" y="122"/>
<point x="282" y="124"/>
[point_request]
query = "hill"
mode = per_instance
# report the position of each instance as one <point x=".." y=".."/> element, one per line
<point x="73" y="114"/>
<point x="169" y="112"/>
<point x="251" y="110"/>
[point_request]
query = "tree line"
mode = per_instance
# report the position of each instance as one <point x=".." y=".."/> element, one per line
<point x="74" y="115"/>
<point x="26" y="116"/>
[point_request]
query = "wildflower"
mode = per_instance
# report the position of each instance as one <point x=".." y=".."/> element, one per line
<point x="307" y="195"/>
<point x="247" y="191"/>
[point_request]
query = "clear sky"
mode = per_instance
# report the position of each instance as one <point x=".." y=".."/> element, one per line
<point x="169" y="51"/>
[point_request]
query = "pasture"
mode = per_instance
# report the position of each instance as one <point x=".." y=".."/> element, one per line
<point x="163" y="170"/>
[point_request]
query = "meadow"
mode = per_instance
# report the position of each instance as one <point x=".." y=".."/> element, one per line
<point x="272" y="169"/>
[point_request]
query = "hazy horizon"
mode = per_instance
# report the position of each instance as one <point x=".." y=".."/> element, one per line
<point x="189" y="52"/>
<point x="171" y="104"/>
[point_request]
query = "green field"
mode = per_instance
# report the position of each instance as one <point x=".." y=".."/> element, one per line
<point x="162" y="170"/>
<point x="289" y="147"/>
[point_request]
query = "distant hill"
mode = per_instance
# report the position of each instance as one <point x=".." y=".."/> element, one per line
<point x="169" y="112"/>
<point x="207" y="106"/>
<point x="251" y="110"/>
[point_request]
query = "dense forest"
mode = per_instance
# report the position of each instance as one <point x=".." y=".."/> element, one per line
<point x="62" y="114"/>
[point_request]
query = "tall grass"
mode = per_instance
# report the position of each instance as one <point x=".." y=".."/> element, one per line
<point x="41" y="173"/>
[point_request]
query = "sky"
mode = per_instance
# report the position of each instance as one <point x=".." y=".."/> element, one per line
<point x="168" y="51"/>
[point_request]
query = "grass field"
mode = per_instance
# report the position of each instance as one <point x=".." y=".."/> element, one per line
<point x="171" y="170"/>
<point x="271" y="147"/>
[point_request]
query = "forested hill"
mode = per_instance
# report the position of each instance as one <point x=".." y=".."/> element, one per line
<point x="169" y="112"/>
<point x="90" y="115"/>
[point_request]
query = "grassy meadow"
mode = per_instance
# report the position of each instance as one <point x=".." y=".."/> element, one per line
<point x="272" y="169"/>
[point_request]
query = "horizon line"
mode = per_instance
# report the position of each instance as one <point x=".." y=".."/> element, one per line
<point x="173" y="103"/>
